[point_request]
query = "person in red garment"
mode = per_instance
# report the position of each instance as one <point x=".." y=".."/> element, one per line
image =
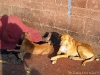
<point x="11" y="29"/>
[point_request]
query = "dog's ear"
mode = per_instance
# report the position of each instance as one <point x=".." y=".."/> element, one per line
<point x="70" y="39"/>
<point x="46" y="35"/>
<point x="25" y="35"/>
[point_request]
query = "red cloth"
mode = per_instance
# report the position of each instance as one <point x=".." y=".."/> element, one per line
<point x="11" y="29"/>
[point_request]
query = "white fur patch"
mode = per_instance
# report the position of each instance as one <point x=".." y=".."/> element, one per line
<point x="63" y="49"/>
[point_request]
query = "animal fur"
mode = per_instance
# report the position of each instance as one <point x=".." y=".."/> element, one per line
<point x="52" y="38"/>
<point x="74" y="50"/>
<point x="33" y="48"/>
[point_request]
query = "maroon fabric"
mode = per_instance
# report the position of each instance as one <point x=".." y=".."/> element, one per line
<point x="11" y="29"/>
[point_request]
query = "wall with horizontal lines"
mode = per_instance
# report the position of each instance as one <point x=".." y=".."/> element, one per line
<point x="51" y="15"/>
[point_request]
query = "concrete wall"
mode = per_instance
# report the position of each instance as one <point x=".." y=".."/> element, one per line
<point x="51" y="15"/>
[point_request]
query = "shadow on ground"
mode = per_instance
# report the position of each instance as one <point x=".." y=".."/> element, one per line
<point x="41" y="65"/>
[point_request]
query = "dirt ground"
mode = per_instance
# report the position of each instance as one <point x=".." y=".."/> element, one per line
<point x="41" y="65"/>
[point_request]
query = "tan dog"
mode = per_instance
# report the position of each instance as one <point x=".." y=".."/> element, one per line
<point x="32" y="47"/>
<point x="74" y="50"/>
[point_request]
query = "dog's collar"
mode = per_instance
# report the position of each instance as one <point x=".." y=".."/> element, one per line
<point x="63" y="49"/>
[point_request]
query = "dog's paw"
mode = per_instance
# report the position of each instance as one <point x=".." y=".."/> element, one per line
<point x="83" y="64"/>
<point x="71" y="58"/>
<point x="53" y="58"/>
<point x="54" y="62"/>
<point x="97" y="59"/>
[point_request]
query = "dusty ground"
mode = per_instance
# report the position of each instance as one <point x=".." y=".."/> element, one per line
<point x="41" y="65"/>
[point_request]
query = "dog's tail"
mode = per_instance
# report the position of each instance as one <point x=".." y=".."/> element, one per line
<point x="88" y="60"/>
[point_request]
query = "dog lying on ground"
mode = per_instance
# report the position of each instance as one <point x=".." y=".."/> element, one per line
<point x="52" y="38"/>
<point x="74" y="50"/>
<point x="33" y="48"/>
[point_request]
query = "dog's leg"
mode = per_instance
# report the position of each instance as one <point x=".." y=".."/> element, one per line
<point x="87" y="57"/>
<point x="14" y="50"/>
<point x="22" y="54"/>
<point x="43" y="53"/>
<point x="88" y="60"/>
<point x="54" y="59"/>
<point x="59" y="56"/>
<point x="18" y="45"/>
<point x="75" y="58"/>
<point x="59" y="52"/>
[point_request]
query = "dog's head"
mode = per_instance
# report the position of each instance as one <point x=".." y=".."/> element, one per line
<point x="46" y="37"/>
<point x="25" y="35"/>
<point x="52" y="37"/>
<point x="66" y="40"/>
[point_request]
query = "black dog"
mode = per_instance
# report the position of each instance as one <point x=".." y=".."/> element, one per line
<point x="52" y="38"/>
